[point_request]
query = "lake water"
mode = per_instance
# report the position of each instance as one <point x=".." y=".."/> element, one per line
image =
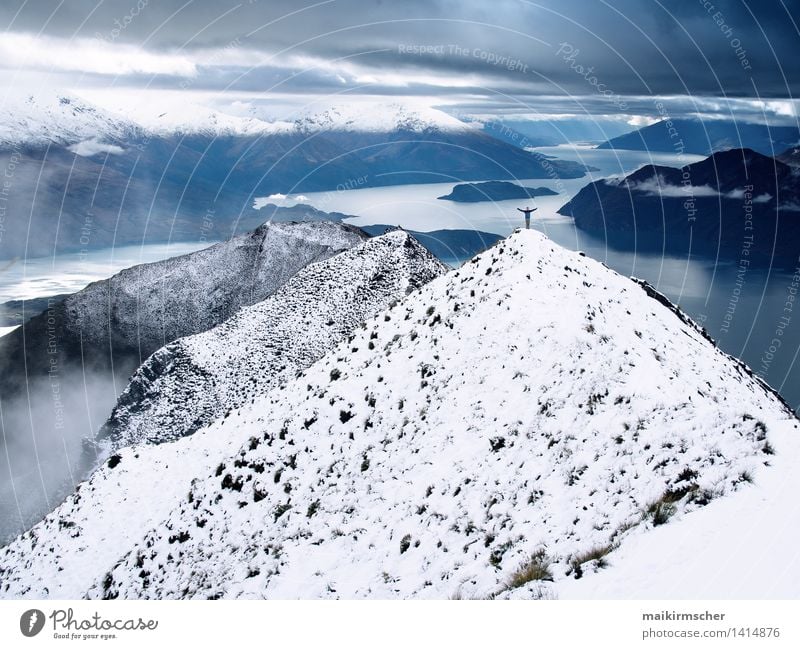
<point x="416" y="207"/>
<point x="704" y="291"/>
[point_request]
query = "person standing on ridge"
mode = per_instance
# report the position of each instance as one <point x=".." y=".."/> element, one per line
<point x="527" y="212"/>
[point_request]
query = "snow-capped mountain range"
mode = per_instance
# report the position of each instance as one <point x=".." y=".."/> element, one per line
<point x="380" y="117"/>
<point x="40" y="119"/>
<point x="69" y="118"/>
<point x="518" y="421"/>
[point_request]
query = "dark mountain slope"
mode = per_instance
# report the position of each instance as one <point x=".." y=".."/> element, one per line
<point x="734" y="205"/>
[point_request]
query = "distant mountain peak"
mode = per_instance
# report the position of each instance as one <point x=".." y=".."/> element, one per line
<point x="380" y="117"/>
<point x="43" y="118"/>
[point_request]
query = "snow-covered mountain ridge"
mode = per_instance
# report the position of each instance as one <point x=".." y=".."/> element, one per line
<point x="219" y="279"/>
<point x="195" y="380"/>
<point x="41" y="119"/>
<point x="531" y="402"/>
<point x="203" y="376"/>
<point x="380" y="118"/>
<point x="516" y="419"/>
<point x="142" y="308"/>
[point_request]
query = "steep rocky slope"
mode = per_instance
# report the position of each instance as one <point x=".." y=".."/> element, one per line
<point x="511" y="422"/>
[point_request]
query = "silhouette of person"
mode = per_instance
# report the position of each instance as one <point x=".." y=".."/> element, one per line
<point x="527" y="212"/>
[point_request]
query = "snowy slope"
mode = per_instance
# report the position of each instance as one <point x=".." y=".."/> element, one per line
<point x="182" y="295"/>
<point x="250" y="354"/>
<point x="531" y="402"/>
<point x="735" y="548"/>
<point x="195" y="380"/>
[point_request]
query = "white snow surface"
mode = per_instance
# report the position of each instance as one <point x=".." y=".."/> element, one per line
<point x="168" y="113"/>
<point x="743" y="547"/>
<point x="531" y="401"/>
<point x="379" y="117"/>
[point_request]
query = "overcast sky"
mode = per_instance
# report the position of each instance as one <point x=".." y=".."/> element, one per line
<point x="509" y="57"/>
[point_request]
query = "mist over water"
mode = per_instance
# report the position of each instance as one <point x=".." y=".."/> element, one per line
<point x="43" y="455"/>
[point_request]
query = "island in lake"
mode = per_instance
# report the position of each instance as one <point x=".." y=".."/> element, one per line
<point x="493" y="190"/>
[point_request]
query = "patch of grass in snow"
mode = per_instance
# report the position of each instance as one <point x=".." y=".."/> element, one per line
<point x="596" y="554"/>
<point x="661" y="510"/>
<point x="536" y="568"/>
<point x="280" y="510"/>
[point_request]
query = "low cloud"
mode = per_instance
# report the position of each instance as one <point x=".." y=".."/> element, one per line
<point x="738" y="194"/>
<point x="659" y="186"/>
<point x="281" y="200"/>
<point x="23" y="51"/>
<point x="93" y="146"/>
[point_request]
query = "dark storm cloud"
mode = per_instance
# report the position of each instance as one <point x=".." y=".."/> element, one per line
<point x="633" y="47"/>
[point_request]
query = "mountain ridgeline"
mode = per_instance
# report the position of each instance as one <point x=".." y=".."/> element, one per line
<point x="195" y="380"/>
<point x="704" y="137"/>
<point x="494" y="191"/>
<point x="142" y="308"/>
